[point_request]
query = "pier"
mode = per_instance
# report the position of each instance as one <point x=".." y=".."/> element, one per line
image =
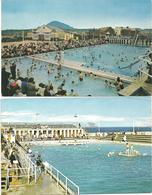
<point x="78" y="66"/>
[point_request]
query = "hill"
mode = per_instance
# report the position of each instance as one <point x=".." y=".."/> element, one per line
<point x="60" y="25"/>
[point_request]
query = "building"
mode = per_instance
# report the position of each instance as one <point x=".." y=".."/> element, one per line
<point x="125" y="31"/>
<point x="107" y="31"/>
<point x="38" y="131"/>
<point x="46" y="33"/>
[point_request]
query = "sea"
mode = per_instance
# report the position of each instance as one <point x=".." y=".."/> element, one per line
<point x="116" y="129"/>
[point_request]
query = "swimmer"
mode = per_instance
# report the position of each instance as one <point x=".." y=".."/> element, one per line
<point x="49" y="72"/>
<point x="28" y="73"/>
<point x="106" y="83"/>
<point x="18" y="73"/>
<point x="110" y="154"/>
<point x="72" y="93"/>
<point x="81" y="76"/>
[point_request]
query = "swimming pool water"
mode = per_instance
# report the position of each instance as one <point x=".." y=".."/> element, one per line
<point x="107" y="57"/>
<point x="94" y="172"/>
<point x="91" y="85"/>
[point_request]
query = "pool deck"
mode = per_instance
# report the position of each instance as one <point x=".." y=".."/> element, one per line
<point x="78" y="66"/>
<point x="46" y="186"/>
<point x="138" y="84"/>
<point x="64" y="142"/>
<point x="82" y="142"/>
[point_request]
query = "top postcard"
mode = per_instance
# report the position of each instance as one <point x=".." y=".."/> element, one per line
<point x="76" y="48"/>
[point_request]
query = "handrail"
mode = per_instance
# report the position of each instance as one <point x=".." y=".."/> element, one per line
<point x="63" y="175"/>
<point x="144" y="58"/>
<point x="17" y="176"/>
<point x="49" y="168"/>
<point x="7" y="179"/>
<point x="33" y="167"/>
<point x="145" y="73"/>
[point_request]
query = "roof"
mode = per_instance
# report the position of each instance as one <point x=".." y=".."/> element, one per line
<point x="47" y="29"/>
<point x="36" y="125"/>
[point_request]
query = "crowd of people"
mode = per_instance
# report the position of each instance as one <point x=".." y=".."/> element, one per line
<point x="32" y="48"/>
<point x="11" y="154"/>
<point x="23" y="86"/>
<point x="15" y="84"/>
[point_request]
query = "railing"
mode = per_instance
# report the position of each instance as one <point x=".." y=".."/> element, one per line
<point x="69" y="186"/>
<point x="141" y="71"/>
<point x="33" y="168"/>
<point x="136" y="39"/>
<point x="145" y="58"/>
<point x="17" y="174"/>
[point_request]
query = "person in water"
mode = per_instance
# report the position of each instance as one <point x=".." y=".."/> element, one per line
<point x="81" y="76"/>
<point x="130" y="151"/>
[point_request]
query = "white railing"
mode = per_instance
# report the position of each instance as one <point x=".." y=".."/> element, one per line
<point x="34" y="169"/>
<point x="18" y="174"/>
<point x="136" y="38"/>
<point x="142" y="71"/>
<point x="69" y="186"/>
<point x="145" y="58"/>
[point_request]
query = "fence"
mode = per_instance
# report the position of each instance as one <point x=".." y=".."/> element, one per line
<point x="69" y="186"/>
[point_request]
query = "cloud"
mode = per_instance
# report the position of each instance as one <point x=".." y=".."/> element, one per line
<point x="84" y="118"/>
<point x="16" y="114"/>
<point x="87" y="120"/>
<point x="143" y="122"/>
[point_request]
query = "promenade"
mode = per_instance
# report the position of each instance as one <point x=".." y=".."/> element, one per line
<point x="45" y="186"/>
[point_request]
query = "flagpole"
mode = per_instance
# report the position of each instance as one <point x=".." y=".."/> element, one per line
<point x="23" y="36"/>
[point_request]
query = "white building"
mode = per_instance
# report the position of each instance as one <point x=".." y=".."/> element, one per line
<point x="46" y="33"/>
<point x="30" y="131"/>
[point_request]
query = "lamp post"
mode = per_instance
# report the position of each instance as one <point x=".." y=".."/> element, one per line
<point x="23" y="36"/>
<point x="76" y="116"/>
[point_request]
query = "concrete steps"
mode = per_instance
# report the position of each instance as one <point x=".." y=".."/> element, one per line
<point x="3" y="183"/>
<point x="132" y="138"/>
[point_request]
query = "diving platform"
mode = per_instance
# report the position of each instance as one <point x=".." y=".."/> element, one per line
<point x="79" y="67"/>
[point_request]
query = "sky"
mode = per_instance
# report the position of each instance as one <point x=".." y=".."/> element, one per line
<point x="105" y="111"/>
<point x="22" y="14"/>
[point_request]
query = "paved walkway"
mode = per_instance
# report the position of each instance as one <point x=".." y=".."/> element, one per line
<point x="46" y="186"/>
<point x="138" y="84"/>
<point x="78" y="66"/>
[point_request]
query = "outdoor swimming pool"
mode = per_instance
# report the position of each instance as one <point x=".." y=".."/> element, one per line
<point x="94" y="172"/>
<point x="107" y="57"/>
